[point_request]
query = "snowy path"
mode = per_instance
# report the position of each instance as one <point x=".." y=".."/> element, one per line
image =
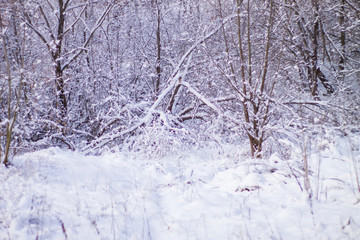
<point x="53" y="194"/>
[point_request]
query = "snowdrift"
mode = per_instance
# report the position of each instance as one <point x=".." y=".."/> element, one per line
<point x="202" y="194"/>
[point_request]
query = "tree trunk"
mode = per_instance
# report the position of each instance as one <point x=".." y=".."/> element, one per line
<point x="158" y="45"/>
<point x="314" y="57"/>
<point x="61" y="97"/>
<point x="342" y="40"/>
<point x="59" y="72"/>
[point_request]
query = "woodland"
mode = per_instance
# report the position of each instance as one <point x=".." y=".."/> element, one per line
<point x="180" y="119"/>
<point x="157" y="75"/>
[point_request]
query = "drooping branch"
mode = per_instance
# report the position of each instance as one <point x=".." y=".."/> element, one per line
<point x="185" y="113"/>
<point x="102" y="141"/>
<point x="202" y="98"/>
<point x="173" y="81"/>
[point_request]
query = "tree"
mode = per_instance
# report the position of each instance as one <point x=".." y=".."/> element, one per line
<point x="13" y="39"/>
<point x="52" y="24"/>
<point x="105" y="72"/>
<point x="246" y="69"/>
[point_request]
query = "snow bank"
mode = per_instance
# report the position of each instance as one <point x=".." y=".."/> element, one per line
<point x="54" y="194"/>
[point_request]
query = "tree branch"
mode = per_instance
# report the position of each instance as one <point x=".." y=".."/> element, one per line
<point x="77" y="19"/>
<point x="173" y="81"/>
<point x="97" y="25"/>
<point x="47" y="22"/>
<point x="43" y="39"/>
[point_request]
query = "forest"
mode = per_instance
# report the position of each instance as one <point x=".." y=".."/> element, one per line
<point x="91" y="75"/>
<point x="250" y="79"/>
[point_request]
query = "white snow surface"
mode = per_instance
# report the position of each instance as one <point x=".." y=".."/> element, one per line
<point x="203" y="194"/>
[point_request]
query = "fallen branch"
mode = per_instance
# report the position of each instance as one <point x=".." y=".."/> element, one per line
<point x="202" y="98"/>
<point x="173" y="81"/>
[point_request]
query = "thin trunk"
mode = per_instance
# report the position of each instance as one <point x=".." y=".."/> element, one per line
<point x="158" y="45"/>
<point x="242" y="61"/>
<point x="252" y="135"/>
<point x="59" y="75"/>
<point x="342" y="40"/>
<point x="314" y="58"/>
<point x="259" y="135"/>
<point x="249" y="49"/>
<point x="8" y="125"/>
<point x="60" y="91"/>
<point x="173" y="97"/>
<point x="227" y="51"/>
<point x="84" y="41"/>
<point x="267" y="48"/>
<point x="12" y="115"/>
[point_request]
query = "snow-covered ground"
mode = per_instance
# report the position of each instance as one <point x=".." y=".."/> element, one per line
<point x="202" y="194"/>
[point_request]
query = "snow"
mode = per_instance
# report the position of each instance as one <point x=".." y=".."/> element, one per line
<point x="199" y="194"/>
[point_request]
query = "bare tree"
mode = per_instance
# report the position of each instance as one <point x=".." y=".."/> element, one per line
<point x="13" y="37"/>
<point x="246" y="68"/>
<point x="52" y="24"/>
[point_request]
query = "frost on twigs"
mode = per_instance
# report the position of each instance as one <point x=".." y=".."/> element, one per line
<point x="160" y="138"/>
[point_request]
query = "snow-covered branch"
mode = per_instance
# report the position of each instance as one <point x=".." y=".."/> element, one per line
<point x="202" y="98"/>
<point x="176" y="75"/>
<point x="92" y="32"/>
